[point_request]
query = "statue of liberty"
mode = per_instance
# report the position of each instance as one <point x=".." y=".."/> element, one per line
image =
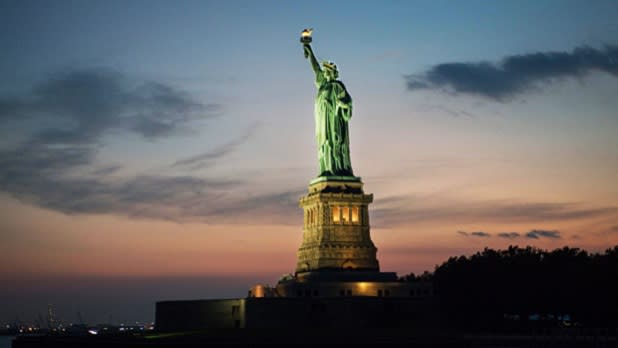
<point x="333" y="110"/>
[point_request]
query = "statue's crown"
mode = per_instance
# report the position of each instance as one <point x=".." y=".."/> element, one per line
<point x="329" y="65"/>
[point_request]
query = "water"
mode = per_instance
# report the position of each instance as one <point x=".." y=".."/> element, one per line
<point x="5" y="341"/>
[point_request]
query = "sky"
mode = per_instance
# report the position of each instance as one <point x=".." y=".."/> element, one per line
<point x="156" y="150"/>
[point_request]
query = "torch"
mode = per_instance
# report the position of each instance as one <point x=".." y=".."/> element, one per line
<point x="305" y="38"/>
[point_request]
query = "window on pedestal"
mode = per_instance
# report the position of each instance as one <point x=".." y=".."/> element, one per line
<point x="336" y="214"/>
<point x="345" y="214"/>
<point x="355" y="215"/>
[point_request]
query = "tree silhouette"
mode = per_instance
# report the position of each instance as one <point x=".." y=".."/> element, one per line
<point x="492" y="287"/>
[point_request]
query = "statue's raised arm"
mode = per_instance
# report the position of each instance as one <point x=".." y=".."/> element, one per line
<point x="333" y="110"/>
<point x="315" y="65"/>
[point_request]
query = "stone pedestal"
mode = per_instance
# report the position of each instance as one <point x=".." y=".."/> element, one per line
<point x="336" y="227"/>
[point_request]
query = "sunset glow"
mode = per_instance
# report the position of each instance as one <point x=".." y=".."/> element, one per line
<point x="165" y="150"/>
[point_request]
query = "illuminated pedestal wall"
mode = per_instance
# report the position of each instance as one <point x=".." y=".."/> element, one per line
<point x="336" y="227"/>
<point x="337" y="257"/>
<point x="364" y="287"/>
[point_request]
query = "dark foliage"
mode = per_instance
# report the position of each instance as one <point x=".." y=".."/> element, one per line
<point x="490" y="286"/>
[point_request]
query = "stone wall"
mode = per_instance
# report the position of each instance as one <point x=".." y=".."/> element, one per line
<point x="347" y="312"/>
<point x="174" y="316"/>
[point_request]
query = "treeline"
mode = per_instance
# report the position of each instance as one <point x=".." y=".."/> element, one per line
<point x="528" y="284"/>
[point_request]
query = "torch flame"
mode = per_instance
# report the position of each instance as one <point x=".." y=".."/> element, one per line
<point x="307" y="32"/>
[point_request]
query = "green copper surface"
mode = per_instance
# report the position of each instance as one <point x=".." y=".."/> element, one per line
<point x="333" y="110"/>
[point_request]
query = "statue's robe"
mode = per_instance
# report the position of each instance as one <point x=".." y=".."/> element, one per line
<point x="333" y="110"/>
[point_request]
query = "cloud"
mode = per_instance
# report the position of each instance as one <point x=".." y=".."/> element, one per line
<point x="77" y="107"/>
<point x="107" y="170"/>
<point x="47" y="177"/>
<point x="266" y="208"/>
<point x="401" y="212"/>
<point x="475" y="234"/>
<point x="536" y="234"/>
<point x="533" y="234"/>
<point x="515" y="74"/>
<point x="509" y="235"/>
<point x="480" y="234"/>
<point x="34" y="163"/>
<point x="207" y="158"/>
<point x="54" y="167"/>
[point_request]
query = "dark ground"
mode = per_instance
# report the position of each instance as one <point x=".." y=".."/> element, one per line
<point x="574" y="337"/>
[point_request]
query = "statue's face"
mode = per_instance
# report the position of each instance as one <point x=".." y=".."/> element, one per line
<point x="330" y="74"/>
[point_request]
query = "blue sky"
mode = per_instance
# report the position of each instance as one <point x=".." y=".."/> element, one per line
<point x="185" y="130"/>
